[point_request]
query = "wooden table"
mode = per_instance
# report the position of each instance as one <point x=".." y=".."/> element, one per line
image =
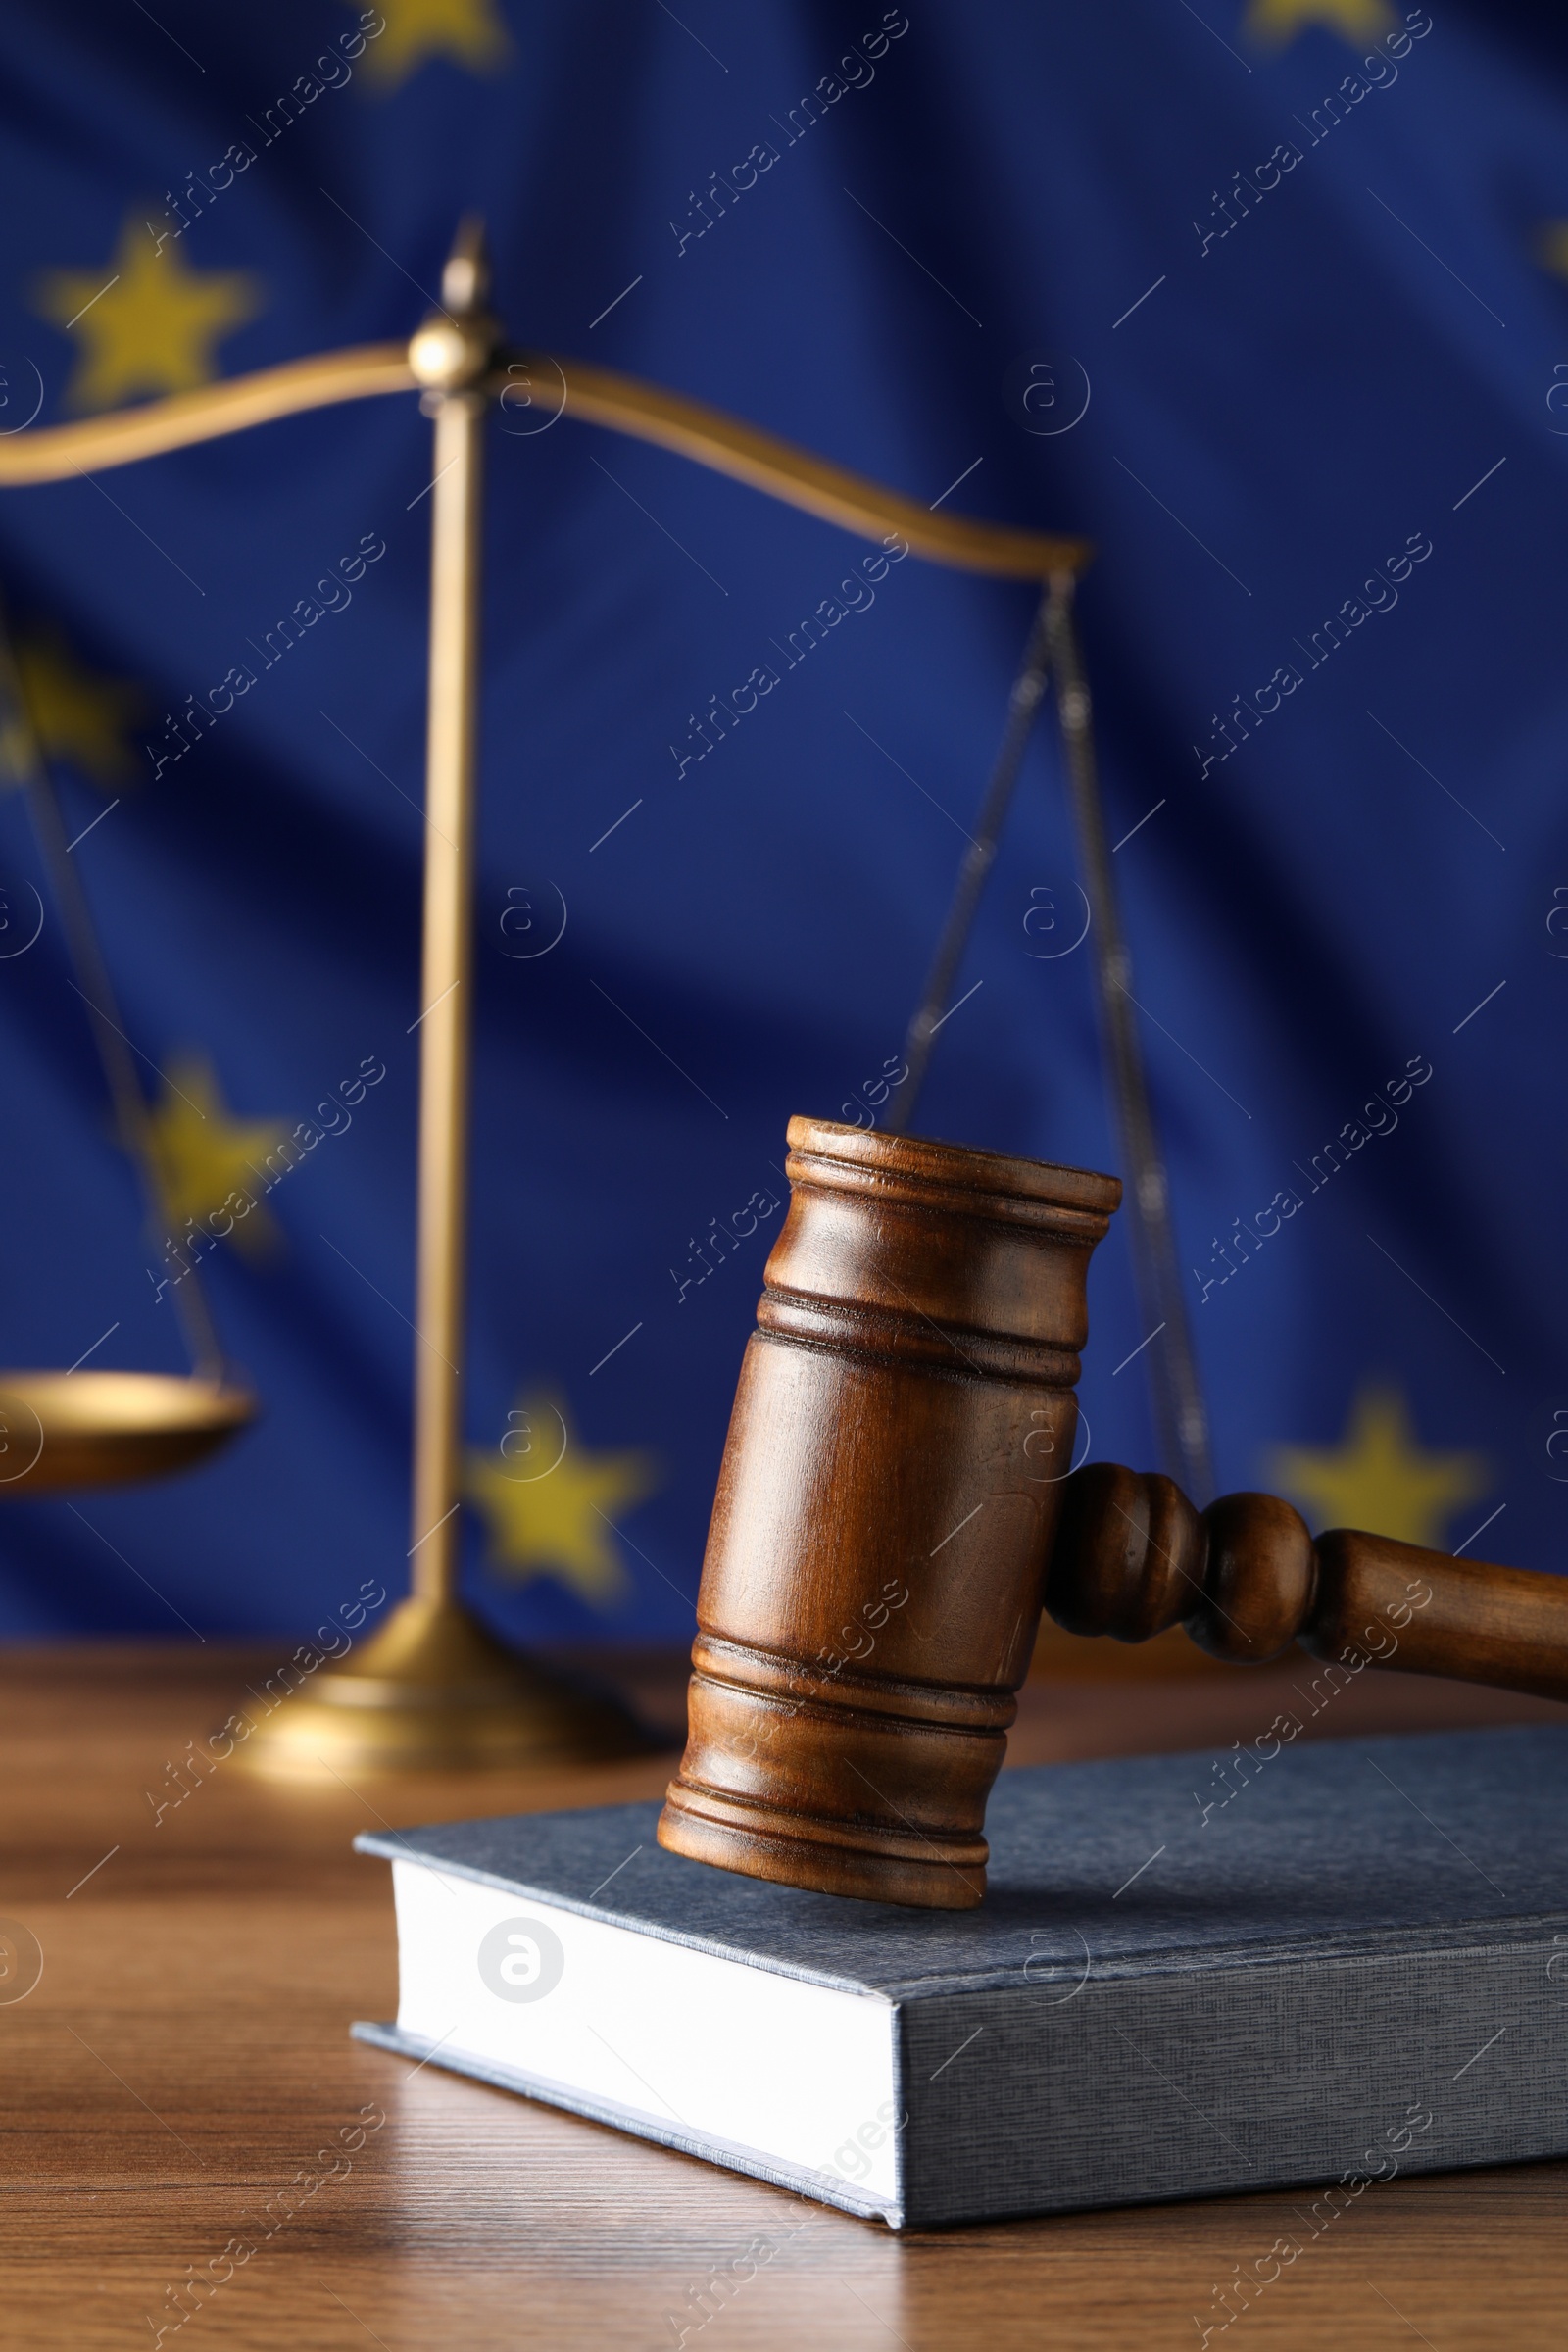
<point x="185" y="2056"/>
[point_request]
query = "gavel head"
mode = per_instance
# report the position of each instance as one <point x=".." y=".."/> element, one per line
<point x="889" y="1493"/>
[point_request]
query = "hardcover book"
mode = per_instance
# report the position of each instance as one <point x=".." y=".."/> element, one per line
<point x="1322" y="1963"/>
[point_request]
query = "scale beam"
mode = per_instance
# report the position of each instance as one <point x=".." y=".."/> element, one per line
<point x="622" y="404"/>
<point x="59" y="452"/>
<point x="796" y="476"/>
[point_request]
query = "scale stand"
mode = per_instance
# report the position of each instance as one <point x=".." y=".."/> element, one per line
<point x="433" y="1688"/>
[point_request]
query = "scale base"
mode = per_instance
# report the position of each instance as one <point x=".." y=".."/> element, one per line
<point x="434" y="1692"/>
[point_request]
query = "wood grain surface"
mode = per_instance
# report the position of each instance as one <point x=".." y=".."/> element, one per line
<point x="185" y="2056"/>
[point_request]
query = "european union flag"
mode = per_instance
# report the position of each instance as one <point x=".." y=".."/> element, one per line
<point x="1266" y="299"/>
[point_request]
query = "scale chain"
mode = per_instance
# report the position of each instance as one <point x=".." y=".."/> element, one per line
<point x="1181" y="1421"/>
<point x="1053" y="648"/>
<point x="1028" y="688"/>
<point x="85" y="956"/>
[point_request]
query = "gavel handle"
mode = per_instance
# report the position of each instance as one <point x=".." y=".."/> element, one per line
<point x="1132" y="1557"/>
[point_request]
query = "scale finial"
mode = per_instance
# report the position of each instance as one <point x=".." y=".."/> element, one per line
<point x="453" y="350"/>
<point x="465" y="275"/>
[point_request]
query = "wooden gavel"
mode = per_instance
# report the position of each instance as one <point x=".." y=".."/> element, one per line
<point x="894" y="1508"/>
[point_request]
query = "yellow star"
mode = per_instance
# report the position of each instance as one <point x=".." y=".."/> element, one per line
<point x="470" y="32"/>
<point x="76" y="714"/>
<point x="549" y="1503"/>
<point x="1379" y="1479"/>
<point x="1552" y="244"/>
<point x="147" y="320"/>
<point x="1273" y="23"/>
<point x="202" y="1156"/>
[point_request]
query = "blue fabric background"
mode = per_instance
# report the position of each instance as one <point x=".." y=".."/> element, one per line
<point x="1287" y="406"/>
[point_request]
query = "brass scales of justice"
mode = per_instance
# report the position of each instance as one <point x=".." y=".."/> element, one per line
<point x="433" y="1688"/>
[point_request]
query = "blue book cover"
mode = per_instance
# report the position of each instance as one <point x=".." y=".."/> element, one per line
<point x="1323" y="1964"/>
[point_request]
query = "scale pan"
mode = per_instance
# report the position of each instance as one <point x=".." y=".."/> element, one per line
<point x="100" y="1429"/>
